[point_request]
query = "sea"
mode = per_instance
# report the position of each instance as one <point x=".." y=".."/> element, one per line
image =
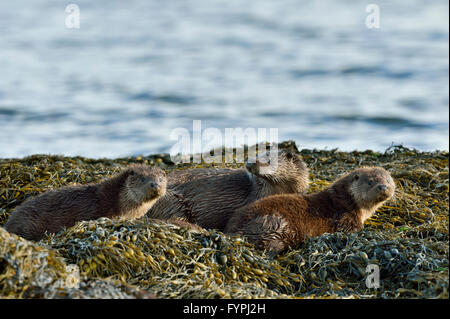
<point x="121" y="78"/>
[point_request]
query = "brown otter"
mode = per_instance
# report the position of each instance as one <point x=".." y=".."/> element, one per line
<point x="208" y="197"/>
<point x="277" y="222"/>
<point x="127" y="195"/>
<point x="183" y="223"/>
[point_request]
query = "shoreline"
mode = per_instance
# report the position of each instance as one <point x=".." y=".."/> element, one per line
<point x="407" y="238"/>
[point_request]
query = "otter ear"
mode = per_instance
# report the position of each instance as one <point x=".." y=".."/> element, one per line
<point x="289" y="154"/>
<point x="355" y="177"/>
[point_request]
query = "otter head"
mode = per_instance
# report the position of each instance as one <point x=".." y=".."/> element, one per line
<point x="144" y="183"/>
<point x="367" y="188"/>
<point x="286" y="170"/>
<point x="371" y="186"/>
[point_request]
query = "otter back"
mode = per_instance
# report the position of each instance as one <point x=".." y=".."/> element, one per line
<point x="127" y="195"/>
<point x="208" y="197"/>
<point x="281" y="221"/>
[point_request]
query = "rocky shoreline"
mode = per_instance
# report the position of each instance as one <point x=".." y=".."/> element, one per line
<point x="407" y="240"/>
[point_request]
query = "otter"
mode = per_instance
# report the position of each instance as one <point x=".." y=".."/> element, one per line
<point x="278" y="222"/>
<point x="127" y="195"/>
<point x="208" y="197"/>
<point x="183" y="223"/>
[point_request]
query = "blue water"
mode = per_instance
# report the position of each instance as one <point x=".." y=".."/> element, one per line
<point x="136" y="70"/>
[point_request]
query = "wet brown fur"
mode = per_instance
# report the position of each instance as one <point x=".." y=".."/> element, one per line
<point x="278" y="222"/>
<point x="118" y="197"/>
<point x="208" y="197"/>
<point x="186" y="224"/>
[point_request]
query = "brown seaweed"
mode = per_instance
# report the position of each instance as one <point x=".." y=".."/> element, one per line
<point x="407" y="239"/>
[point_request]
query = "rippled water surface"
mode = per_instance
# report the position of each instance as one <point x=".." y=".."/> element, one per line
<point x="136" y="70"/>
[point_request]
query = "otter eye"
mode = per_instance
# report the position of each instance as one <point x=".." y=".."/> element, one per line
<point x="370" y="183"/>
<point x="356" y="177"/>
<point x="143" y="179"/>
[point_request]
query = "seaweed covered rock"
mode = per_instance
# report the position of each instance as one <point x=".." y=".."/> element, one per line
<point x="338" y="264"/>
<point x="407" y="239"/>
<point x="158" y="255"/>
<point x="28" y="270"/>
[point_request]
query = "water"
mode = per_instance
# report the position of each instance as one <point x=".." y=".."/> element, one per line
<point x="136" y="70"/>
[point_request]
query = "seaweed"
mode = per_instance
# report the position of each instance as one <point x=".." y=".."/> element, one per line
<point x="407" y="239"/>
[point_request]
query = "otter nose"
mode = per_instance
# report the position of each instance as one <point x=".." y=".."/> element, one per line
<point x="382" y="188"/>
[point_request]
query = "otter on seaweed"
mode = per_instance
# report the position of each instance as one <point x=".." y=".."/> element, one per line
<point x="277" y="222"/>
<point x="208" y="197"/>
<point x="127" y="195"/>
